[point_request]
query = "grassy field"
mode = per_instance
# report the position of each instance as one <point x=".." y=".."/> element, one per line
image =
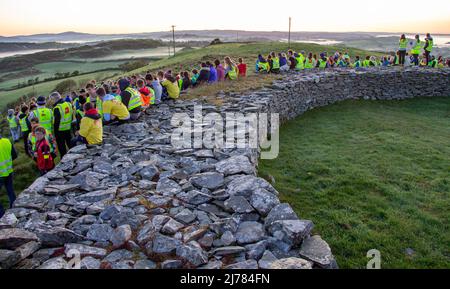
<point x="47" y="87"/>
<point x="372" y="175"/>
<point x="49" y="69"/>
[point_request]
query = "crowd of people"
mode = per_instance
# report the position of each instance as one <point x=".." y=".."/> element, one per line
<point x="420" y="54"/>
<point x="54" y="124"/>
<point x="51" y="125"/>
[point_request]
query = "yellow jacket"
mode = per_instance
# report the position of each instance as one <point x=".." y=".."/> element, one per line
<point x="92" y="130"/>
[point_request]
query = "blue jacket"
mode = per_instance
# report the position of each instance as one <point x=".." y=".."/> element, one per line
<point x="212" y="74"/>
<point x="283" y="61"/>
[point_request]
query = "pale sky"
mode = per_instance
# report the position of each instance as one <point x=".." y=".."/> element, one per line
<point x="118" y="16"/>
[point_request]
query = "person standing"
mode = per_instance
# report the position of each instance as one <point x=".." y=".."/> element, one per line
<point x="13" y="125"/>
<point x="428" y="48"/>
<point x="402" y="49"/>
<point x="7" y="155"/>
<point x="62" y="126"/>
<point x="44" y="114"/>
<point x="43" y="151"/>
<point x="25" y="126"/>
<point x="415" y="51"/>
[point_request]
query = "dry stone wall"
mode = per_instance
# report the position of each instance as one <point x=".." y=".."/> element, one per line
<point x="137" y="202"/>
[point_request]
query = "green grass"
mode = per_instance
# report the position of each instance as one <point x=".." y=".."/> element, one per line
<point x="49" y="69"/>
<point x="47" y="87"/>
<point x="371" y="175"/>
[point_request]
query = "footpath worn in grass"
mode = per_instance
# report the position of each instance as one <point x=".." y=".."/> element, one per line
<point x="372" y="175"/>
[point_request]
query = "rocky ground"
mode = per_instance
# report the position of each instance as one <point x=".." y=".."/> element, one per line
<point x="138" y="202"/>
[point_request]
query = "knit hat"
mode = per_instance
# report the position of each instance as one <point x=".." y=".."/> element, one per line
<point x="40" y="100"/>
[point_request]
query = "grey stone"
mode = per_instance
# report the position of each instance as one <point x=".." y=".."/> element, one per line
<point x="13" y="238"/>
<point x="164" y="245"/>
<point x="245" y="265"/>
<point x="149" y="172"/>
<point x="255" y="251"/>
<point x="57" y="263"/>
<point x="144" y="265"/>
<point x="194" y="197"/>
<point x="266" y="260"/>
<point x="246" y="185"/>
<point x="118" y="255"/>
<point x="263" y="201"/>
<point x="291" y="263"/>
<point x="97" y="196"/>
<point x="186" y="216"/>
<point x="291" y="231"/>
<point x="56" y="236"/>
<point x="250" y="232"/>
<point x="171" y="227"/>
<point x="317" y="250"/>
<point x="210" y="180"/>
<point x="90" y="263"/>
<point x="238" y="204"/>
<point x="9" y="258"/>
<point x="121" y="236"/>
<point x="235" y="165"/>
<point x="212" y="265"/>
<point x="192" y="253"/>
<point x="171" y="264"/>
<point x="228" y="238"/>
<point x="126" y="216"/>
<point x="167" y="187"/>
<point x="230" y="250"/>
<point x="100" y="232"/>
<point x="109" y="212"/>
<point x="279" y="213"/>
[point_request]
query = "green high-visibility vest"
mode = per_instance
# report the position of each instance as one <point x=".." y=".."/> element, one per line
<point x="99" y="106"/>
<point x="45" y="116"/>
<point x="276" y="63"/>
<point x="322" y="63"/>
<point x="118" y="97"/>
<point x="300" y="62"/>
<point x="32" y="140"/>
<point x="416" y="48"/>
<point x="152" y="98"/>
<point x="12" y="121"/>
<point x="309" y="63"/>
<point x="233" y="74"/>
<point x="357" y="63"/>
<point x="180" y="83"/>
<point x="135" y="99"/>
<point x="263" y="66"/>
<point x="23" y="124"/>
<point x="6" y="164"/>
<point x="432" y="63"/>
<point x="430" y="45"/>
<point x="403" y="44"/>
<point x="65" y="110"/>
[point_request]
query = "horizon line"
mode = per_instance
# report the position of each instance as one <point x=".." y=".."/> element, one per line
<point x="236" y="30"/>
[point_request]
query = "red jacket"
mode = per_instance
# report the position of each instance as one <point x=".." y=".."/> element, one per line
<point x="45" y="160"/>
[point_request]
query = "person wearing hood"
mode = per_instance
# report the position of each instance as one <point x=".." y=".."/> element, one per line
<point x="204" y="74"/>
<point x="62" y="126"/>
<point x="13" y="125"/>
<point x="112" y="109"/>
<point x="91" y="127"/>
<point x="130" y="98"/>
<point x="212" y="72"/>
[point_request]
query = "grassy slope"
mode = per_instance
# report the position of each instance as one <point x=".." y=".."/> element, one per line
<point x="372" y="175"/>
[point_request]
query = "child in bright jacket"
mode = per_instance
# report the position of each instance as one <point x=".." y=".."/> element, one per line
<point x="42" y="153"/>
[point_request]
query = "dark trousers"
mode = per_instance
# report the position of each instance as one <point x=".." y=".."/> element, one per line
<point x="78" y="140"/>
<point x="427" y="56"/>
<point x="416" y="59"/>
<point x="63" y="139"/>
<point x="25" y="141"/>
<point x="402" y="55"/>
<point x="8" y="183"/>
